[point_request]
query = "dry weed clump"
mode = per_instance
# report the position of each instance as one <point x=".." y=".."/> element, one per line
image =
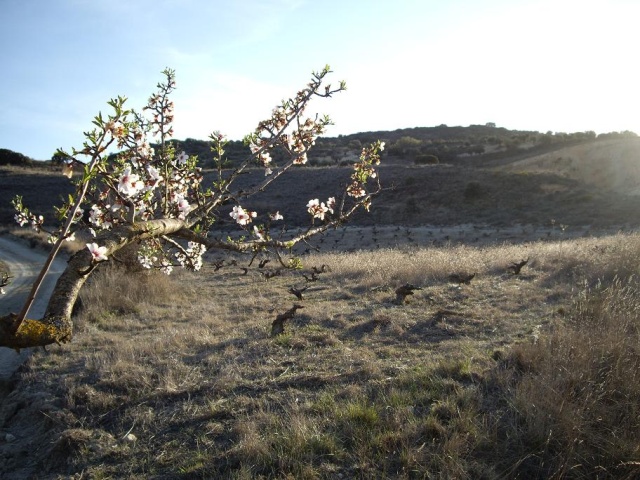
<point x="420" y="266"/>
<point x="590" y="259"/>
<point x="575" y="411"/>
<point x="113" y="292"/>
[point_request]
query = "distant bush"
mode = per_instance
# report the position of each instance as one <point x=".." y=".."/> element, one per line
<point x="473" y="191"/>
<point x="9" y="157"/>
<point x="426" y="160"/>
<point x="235" y="152"/>
<point x="616" y="135"/>
<point x="405" y="146"/>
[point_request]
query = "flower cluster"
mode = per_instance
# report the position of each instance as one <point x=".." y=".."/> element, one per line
<point x="319" y="209"/>
<point x="162" y="107"/>
<point x="136" y="194"/>
<point x="304" y="137"/>
<point x="136" y="185"/>
<point x="191" y="257"/>
<point x="287" y="128"/>
<point x="356" y="190"/>
<point x="97" y="217"/>
<point x="242" y="216"/>
<point x="146" y="188"/>
<point x="364" y="170"/>
<point x="141" y="183"/>
<point x="35" y="221"/>
<point x="24" y="217"/>
<point x="151" y="255"/>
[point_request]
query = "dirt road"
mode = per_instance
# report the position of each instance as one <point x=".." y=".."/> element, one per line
<point x="25" y="264"/>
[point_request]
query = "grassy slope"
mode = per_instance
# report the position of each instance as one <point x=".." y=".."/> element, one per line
<point x="528" y="376"/>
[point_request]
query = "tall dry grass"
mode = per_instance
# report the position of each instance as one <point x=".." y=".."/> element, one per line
<point x="579" y="259"/>
<point x="575" y="393"/>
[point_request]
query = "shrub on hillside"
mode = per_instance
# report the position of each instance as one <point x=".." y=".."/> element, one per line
<point x="9" y="157"/>
<point x="473" y="191"/>
<point x="426" y="160"/>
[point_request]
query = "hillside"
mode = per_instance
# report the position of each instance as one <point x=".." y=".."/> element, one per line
<point x="588" y="183"/>
<point x="411" y="145"/>
<point x="612" y="165"/>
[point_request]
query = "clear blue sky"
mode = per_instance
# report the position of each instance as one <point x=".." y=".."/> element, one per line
<point x="559" y="65"/>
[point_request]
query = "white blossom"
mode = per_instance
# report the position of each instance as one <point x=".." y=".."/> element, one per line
<point x="242" y="216"/>
<point x="182" y="158"/>
<point x="129" y="183"/>
<point x="98" y="254"/>
<point x="317" y="209"/>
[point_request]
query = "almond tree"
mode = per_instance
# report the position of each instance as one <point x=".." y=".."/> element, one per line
<point x="157" y="199"/>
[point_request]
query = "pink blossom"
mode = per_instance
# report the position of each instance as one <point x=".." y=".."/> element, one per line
<point x="331" y="204"/>
<point x="242" y="216"/>
<point x="219" y="136"/>
<point x="258" y="232"/>
<point x="276" y="216"/>
<point x="254" y="147"/>
<point x="154" y="175"/>
<point x="183" y="208"/>
<point x="98" y="254"/>
<point x="95" y="215"/>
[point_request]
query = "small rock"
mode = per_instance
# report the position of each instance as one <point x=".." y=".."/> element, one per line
<point x="9" y="438"/>
<point x="130" y="437"/>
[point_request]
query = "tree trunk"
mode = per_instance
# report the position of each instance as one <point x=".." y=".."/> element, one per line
<point x="56" y="325"/>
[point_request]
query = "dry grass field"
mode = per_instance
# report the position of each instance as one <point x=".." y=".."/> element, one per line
<point x="531" y="375"/>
